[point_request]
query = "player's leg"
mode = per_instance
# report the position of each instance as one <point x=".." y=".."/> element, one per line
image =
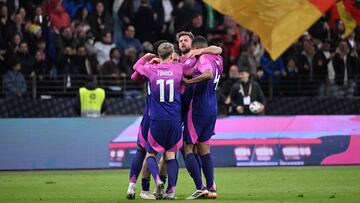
<point x="173" y="143"/>
<point x="191" y="163"/>
<point x="154" y="170"/>
<point x="145" y="183"/>
<point x="138" y="159"/>
<point x="156" y="144"/>
<point x="162" y="168"/>
<point x="205" y="156"/>
<point x="172" y="170"/>
<point x="197" y="157"/>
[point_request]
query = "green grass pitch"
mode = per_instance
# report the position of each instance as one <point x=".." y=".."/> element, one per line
<point x="264" y="184"/>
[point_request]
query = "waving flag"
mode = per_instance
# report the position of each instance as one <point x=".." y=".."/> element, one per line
<point x="278" y="22"/>
<point x="348" y="11"/>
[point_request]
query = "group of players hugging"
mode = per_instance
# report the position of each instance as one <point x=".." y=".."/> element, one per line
<point x="179" y="116"/>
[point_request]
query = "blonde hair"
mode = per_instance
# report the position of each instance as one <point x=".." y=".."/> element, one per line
<point x="165" y="50"/>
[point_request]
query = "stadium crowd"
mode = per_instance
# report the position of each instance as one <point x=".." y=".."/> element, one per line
<point x="52" y="38"/>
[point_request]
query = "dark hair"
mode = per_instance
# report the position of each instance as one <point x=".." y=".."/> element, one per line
<point x="113" y="50"/>
<point x="157" y="44"/>
<point x="199" y="42"/>
<point x="14" y="60"/>
<point x="176" y="49"/>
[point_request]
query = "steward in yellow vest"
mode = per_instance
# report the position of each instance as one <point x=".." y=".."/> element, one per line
<point x="90" y="101"/>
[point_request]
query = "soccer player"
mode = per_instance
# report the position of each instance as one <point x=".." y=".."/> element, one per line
<point x="185" y="40"/>
<point x="165" y="119"/>
<point x="138" y="160"/>
<point x="201" y="118"/>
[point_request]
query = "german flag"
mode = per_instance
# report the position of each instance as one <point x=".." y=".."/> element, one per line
<point x="279" y="23"/>
<point x="348" y="11"/>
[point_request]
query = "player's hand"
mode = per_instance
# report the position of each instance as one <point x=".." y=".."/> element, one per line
<point x="195" y="52"/>
<point x="155" y="60"/>
<point x="240" y="109"/>
<point x="186" y="81"/>
<point x="149" y="56"/>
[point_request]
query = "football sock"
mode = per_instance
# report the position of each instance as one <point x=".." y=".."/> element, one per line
<point x="153" y="168"/>
<point x="208" y="169"/>
<point x="172" y="170"/>
<point x="136" y="165"/>
<point x="194" y="170"/>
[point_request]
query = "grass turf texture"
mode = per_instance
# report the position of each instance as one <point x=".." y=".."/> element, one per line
<point x="265" y="184"/>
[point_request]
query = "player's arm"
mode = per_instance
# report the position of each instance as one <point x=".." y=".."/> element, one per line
<point x="141" y="67"/>
<point x="204" y="67"/>
<point x="208" y="50"/>
<point x="137" y="77"/>
<point x="143" y="60"/>
<point x="206" y="75"/>
<point x="189" y="66"/>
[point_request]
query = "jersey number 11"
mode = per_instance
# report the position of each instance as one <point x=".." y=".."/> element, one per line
<point x="162" y="84"/>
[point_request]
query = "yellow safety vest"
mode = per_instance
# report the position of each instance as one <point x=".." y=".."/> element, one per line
<point x="91" y="101"/>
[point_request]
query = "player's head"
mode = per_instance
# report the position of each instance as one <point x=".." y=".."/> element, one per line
<point x="165" y="51"/>
<point x="157" y="44"/>
<point x="176" y="55"/>
<point x="184" y="39"/>
<point x="199" y="42"/>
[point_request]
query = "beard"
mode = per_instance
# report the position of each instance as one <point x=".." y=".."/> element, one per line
<point x="185" y="51"/>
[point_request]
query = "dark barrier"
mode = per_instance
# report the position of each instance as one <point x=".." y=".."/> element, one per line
<point x="63" y="107"/>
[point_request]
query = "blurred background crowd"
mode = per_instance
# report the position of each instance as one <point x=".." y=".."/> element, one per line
<point x="51" y="44"/>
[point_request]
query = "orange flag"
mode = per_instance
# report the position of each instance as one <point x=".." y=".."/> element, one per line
<point x="279" y="23"/>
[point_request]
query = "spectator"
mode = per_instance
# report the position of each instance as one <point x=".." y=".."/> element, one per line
<point x="129" y="40"/>
<point x="16" y="26"/>
<point x="306" y="68"/>
<point x="258" y="48"/>
<point x="224" y="93"/>
<point x="85" y="63"/>
<point x="248" y="60"/>
<point x="103" y="48"/>
<point x="346" y="66"/>
<point x="126" y="12"/>
<point x="197" y="26"/>
<point x="42" y="72"/>
<point x="128" y="60"/>
<point x="59" y="17"/>
<point x="14" y="81"/>
<point x="183" y="14"/>
<point x="66" y="64"/>
<point x="290" y="82"/>
<point x="113" y="66"/>
<point x="73" y="6"/>
<point x="244" y="93"/>
<point x="231" y="44"/>
<point x="64" y="39"/>
<point x="165" y="20"/>
<point x="100" y="21"/>
<point x="81" y="17"/>
<point x="274" y="71"/>
<point x="322" y="60"/>
<point x="144" y="22"/>
<point x="26" y="59"/>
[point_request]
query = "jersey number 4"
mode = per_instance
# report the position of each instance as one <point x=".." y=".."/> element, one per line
<point x="216" y="79"/>
<point x="162" y="84"/>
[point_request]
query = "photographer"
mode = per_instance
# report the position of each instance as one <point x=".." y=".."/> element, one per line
<point x="246" y="96"/>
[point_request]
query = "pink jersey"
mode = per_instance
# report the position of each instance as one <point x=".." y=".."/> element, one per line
<point x="165" y="85"/>
<point x="204" y="99"/>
